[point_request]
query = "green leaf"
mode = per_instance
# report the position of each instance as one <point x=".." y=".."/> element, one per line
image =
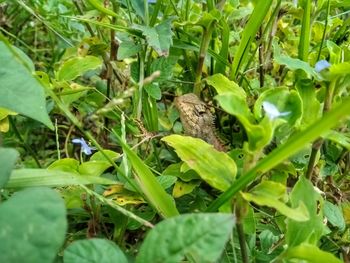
<point x="41" y="177"/>
<point x="310" y="253"/>
<point x="74" y="67"/>
<point x="285" y="100"/>
<point x="214" y="167"/>
<point x="311" y="230"/>
<point x="182" y="188"/>
<point x="294" y="144"/>
<point x="8" y="159"/>
<point x="158" y="37"/>
<point x="153" y="91"/>
<point x="202" y="236"/>
<point x="259" y="135"/>
<point x="334" y="215"/>
<point x="33" y="226"/>
<point x="98" y="5"/>
<point x="98" y="156"/>
<point x="293" y="63"/>
<point x="65" y="165"/>
<point x="311" y="106"/>
<point x="93" y="168"/>
<point x="222" y="85"/>
<point x="20" y="91"/>
<point x="156" y="195"/>
<point x="273" y="195"/>
<point x="128" y="49"/>
<point x="251" y="28"/>
<point x="93" y="250"/>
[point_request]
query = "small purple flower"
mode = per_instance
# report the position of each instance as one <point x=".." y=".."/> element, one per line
<point x="272" y="112"/>
<point x="85" y="148"/>
<point x="321" y="65"/>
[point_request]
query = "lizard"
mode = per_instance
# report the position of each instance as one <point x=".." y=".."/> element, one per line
<point x="197" y="119"/>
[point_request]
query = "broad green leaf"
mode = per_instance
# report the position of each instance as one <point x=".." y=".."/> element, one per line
<point x="41" y="177"/>
<point x="259" y="135"/>
<point x="158" y="37"/>
<point x="33" y="226"/>
<point x="153" y="91"/>
<point x="8" y="159"/>
<point x="154" y="192"/>
<point x="310" y="253"/>
<point x="98" y="156"/>
<point x="93" y="168"/>
<point x="128" y="49"/>
<point x="311" y="106"/>
<point x="222" y="85"/>
<point x="214" y="167"/>
<point x="93" y="250"/>
<point x="293" y="63"/>
<point x="284" y="100"/>
<point x="334" y="215"/>
<point x="176" y="170"/>
<point x="201" y="236"/>
<point x="74" y="67"/>
<point x="182" y="188"/>
<point x="20" y="91"/>
<point x="311" y="230"/>
<point x="166" y="180"/>
<point x="65" y="165"/>
<point x="294" y="144"/>
<point x="340" y="69"/>
<point x="274" y="195"/>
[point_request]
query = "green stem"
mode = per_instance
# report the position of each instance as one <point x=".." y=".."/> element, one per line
<point x="324" y="30"/>
<point x="26" y="146"/>
<point x="242" y="242"/>
<point x="305" y="32"/>
<point x="316" y="146"/>
<point x="207" y="32"/>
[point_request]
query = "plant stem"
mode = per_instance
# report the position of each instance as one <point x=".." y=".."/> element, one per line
<point x="25" y="145"/>
<point x="324" y="31"/>
<point x="207" y="32"/>
<point x="316" y="145"/>
<point x="242" y="242"/>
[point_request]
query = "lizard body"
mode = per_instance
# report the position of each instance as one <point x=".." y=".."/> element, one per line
<point x="197" y="119"/>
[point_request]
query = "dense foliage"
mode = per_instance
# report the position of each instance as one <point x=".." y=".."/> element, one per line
<point x="95" y="165"/>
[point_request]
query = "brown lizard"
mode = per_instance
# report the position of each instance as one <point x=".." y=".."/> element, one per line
<point x="197" y="119"/>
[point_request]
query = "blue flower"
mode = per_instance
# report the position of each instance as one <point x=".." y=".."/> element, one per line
<point x="85" y="148"/>
<point x="152" y="1"/>
<point x="272" y="112"/>
<point x="321" y="65"/>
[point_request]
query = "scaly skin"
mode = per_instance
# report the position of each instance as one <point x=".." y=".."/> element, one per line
<point x="197" y="119"/>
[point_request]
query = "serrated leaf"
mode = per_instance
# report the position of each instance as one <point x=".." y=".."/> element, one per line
<point x="20" y="91"/>
<point x="74" y="67"/>
<point x="93" y="250"/>
<point x="33" y="226"/>
<point x="202" y="236"/>
<point x="273" y="194"/>
<point x="158" y="37"/>
<point x="214" y="167"/>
